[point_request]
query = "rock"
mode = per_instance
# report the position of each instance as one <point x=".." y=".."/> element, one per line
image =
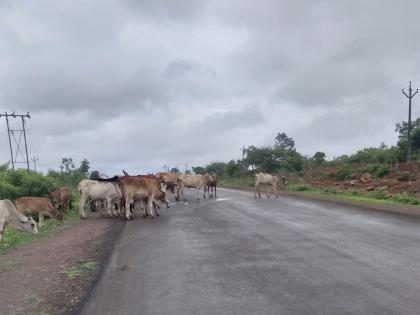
<point x="366" y="177"/>
<point x="370" y="188"/>
<point x="353" y="182"/>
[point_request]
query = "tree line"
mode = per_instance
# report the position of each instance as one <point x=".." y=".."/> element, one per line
<point x="283" y="156"/>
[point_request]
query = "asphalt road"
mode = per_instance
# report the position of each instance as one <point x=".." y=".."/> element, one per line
<point x="238" y="255"/>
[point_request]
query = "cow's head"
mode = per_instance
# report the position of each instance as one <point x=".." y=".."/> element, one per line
<point x="27" y="224"/>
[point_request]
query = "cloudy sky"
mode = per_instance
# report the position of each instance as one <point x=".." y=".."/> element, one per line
<point x="138" y="84"/>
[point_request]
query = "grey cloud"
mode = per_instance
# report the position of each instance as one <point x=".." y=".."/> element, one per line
<point x="144" y="83"/>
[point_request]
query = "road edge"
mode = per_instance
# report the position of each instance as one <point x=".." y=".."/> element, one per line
<point x="393" y="209"/>
<point x="104" y="263"/>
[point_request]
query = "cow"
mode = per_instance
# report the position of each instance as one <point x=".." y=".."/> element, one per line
<point x="145" y="189"/>
<point x="38" y="205"/>
<point x="268" y="179"/>
<point x="169" y="181"/>
<point x="211" y="183"/>
<point x="93" y="190"/>
<point x="190" y="181"/>
<point x="9" y="215"/>
<point x="61" y="198"/>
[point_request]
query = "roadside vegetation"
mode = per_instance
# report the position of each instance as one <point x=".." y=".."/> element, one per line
<point x="376" y="174"/>
<point x="20" y="183"/>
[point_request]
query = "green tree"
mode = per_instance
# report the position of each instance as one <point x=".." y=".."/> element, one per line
<point x="319" y="158"/>
<point x="232" y="168"/>
<point x="84" y="166"/>
<point x="67" y="165"/>
<point x="284" y="142"/>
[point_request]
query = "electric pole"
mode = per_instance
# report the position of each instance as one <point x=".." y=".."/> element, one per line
<point x="34" y="159"/>
<point x="410" y="97"/>
<point x="16" y="135"/>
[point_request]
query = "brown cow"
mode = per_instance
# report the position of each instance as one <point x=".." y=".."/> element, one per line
<point x="61" y="198"/>
<point x="211" y="183"/>
<point x="141" y="188"/>
<point x="38" y="205"/>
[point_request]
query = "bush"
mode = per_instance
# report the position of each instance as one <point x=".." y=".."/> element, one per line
<point x="344" y="173"/>
<point x="406" y="198"/>
<point x="378" y="171"/>
<point x="382" y="171"/>
<point x="380" y="194"/>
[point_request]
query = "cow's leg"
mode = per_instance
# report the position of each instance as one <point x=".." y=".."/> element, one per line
<point x="257" y="190"/>
<point x="156" y="207"/>
<point x="177" y="193"/>
<point x="268" y="191"/>
<point x="128" y="201"/>
<point x="82" y="205"/>
<point x="143" y="206"/>
<point x="2" y="224"/>
<point x="215" y="192"/>
<point x="181" y="190"/>
<point x="196" y="193"/>
<point x="41" y="219"/>
<point x="109" y="208"/>
<point x="275" y="190"/>
<point x="150" y="206"/>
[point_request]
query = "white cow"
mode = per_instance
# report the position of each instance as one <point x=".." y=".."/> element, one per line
<point x="190" y="181"/>
<point x="268" y="179"/>
<point x="92" y="190"/>
<point x="9" y="215"/>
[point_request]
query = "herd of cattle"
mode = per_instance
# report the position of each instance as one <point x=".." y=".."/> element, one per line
<point x="116" y="197"/>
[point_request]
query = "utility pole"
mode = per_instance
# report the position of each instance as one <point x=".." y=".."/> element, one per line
<point x="16" y="135"/>
<point x="34" y="159"/>
<point x="410" y="97"/>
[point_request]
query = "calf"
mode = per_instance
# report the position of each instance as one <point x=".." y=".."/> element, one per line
<point x="38" y="205"/>
<point x="61" y="198"/>
<point x="10" y="215"/>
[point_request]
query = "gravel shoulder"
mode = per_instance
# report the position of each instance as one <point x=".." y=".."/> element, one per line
<point x="54" y="275"/>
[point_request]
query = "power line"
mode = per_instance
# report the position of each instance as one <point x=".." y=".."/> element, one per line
<point x="410" y="97"/>
<point x="16" y="135"/>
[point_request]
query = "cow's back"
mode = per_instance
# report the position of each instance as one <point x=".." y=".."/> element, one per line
<point x="33" y="203"/>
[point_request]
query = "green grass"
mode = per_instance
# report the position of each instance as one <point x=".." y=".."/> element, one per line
<point x="32" y="299"/>
<point x="237" y="182"/>
<point x="75" y="270"/>
<point x="13" y="238"/>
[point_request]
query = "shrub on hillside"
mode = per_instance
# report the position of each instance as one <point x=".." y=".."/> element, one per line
<point x="344" y="172"/>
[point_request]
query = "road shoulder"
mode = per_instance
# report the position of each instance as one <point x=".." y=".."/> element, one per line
<point x="54" y="275"/>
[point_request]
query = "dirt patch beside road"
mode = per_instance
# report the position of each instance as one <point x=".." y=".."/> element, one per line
<point x="54" y="275"/>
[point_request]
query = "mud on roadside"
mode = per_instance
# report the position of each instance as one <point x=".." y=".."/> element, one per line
<point x="54" y="275"/>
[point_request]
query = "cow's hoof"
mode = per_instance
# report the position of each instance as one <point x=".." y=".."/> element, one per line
<point x="157" y="214"/>
<point x="153" y="216"/>
<point x="83" y="217"/>
<point x="144" y="216"/>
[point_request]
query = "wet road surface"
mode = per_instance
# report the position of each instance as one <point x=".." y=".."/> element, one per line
<point x="238" y="255"/>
